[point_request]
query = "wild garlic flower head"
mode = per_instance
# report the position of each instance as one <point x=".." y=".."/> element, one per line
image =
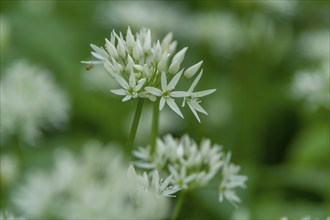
<point x="145" y="68"/>
<point x="94" y="185"/>
<point x="190" y="164"/>
<point x="30" y="100"/>
<point x="230" y="181"/>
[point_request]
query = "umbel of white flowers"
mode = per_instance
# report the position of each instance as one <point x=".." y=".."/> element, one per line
<point x="193" y="166"/>
<point x="95" y="184"/>
<point x="30" y="102"/>
<point x="147" y="69"/>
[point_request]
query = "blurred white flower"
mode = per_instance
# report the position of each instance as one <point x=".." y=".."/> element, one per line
<point x="5" y="215"/>
<point x="190" y="165"/>
<point x="93" y="185"/>
<point x="30" y="101"/>
<point x="142" y="67"/>
<point x="222" y="31"/>
<point x="313" y="87"/>
<point x="158" y="15"/>
<point x="285" y="8"/>
<point x="230" y="181"/>
<point x="315" y="45"/>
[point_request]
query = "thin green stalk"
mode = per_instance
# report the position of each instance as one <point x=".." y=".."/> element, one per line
<point x="134" y="127"/>
<point x="154" y="128"/>
<point x="178" y="206"/>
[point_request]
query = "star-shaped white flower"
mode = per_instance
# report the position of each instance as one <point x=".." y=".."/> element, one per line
<point x="157" y="185"/>
<point x="193" y="100"/>
<point x="231" y="180"/>
<point x="130" y="89"/>
<point x="167" y="94"/>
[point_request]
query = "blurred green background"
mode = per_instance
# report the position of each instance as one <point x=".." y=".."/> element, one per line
<point x="253" y="52"/>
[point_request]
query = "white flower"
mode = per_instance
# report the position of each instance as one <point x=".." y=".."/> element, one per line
<point x="5" y="215"/>
<point x="30" y="101"/>
<point x="166" y="94"/>
<point x="230" y="181"/>
<point x="93" y="185"/>
<point x="190" y="165"/>
<point x="156" y="185"/>
<point x="312" y="86"/>
<point x="192" y="98"/>
<point x="129" y="90"/>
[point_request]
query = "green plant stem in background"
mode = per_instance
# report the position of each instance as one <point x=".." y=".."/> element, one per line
<point x="134" y="127"/>
<point x="154" y="128"/>
<point x="178" y="206"/>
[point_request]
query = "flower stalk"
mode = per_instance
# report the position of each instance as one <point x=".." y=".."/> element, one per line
<point x="178" y="206"/>
<point x="134" y="127"/>
<point x="154" y="128"/>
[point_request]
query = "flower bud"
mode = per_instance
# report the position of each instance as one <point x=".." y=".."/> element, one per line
<point x="121" y="48"/>
<point x="192" y="70"/>
<point x="130" y="39"/>
<point x="167" y="41"/>
<point x="162" y="63"/>
<point x="147" y="42"/>
<point x="157" y="53"/>
<point x="177" y="60"/>
<point x="137" y="51"/>
<point x="111" y="49"/>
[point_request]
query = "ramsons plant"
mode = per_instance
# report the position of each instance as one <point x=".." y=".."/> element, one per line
<point x="151" y="70"/>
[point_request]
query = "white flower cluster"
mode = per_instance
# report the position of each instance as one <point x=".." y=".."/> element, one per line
<point x="147" y="69"/>
<point x="94" y="185"/>
<point x="230" y="181"/>
<point x="312" y="84"/>
<point x="192" y="166"/>
<point x="30" y="101"/>
<point x="307" y="217"/>
<point x="5" y="215"/>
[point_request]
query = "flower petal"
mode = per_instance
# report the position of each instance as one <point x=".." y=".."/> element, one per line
<point x="98" y="56"/>
<point x="163" y="81"/>
<point x="178" y="94"/>
<point x="175" y="80"/>
<point x="197" y="106"/>
<point x="202" y="93"/>
<point x="132" y="80"/>
<point x="100" y="51"/>
<point x="121" y="81"/>
<point x="126" y="98"/>
<point x="140" y="84"/>
<point x="153" y="91"/>
<point x="173" y="106"/>
<point x="193" y="85"/>
<point x="161" y="103"/>
<point x="119" y="91"/>
<point x="194" y="112"/>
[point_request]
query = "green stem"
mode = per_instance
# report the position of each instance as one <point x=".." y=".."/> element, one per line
<point x="135" y="124"/>
<point x="178" y="206"/>
<point x="154" y="128"/>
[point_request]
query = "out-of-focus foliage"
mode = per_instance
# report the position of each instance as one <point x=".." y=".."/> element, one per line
<point x="268" y="60"/>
